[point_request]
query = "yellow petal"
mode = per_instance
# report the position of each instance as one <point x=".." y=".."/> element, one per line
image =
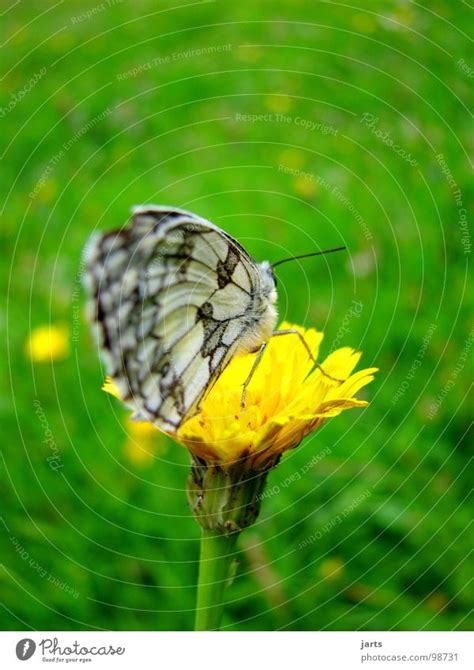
<point x="287" y="398"/>
<point x="109" y="387"/>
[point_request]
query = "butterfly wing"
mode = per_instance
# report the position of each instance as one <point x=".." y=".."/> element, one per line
<point x="172" y="297"/>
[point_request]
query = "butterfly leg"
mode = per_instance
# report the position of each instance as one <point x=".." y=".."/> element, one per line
<point x="293" y="331"/>
<point x="257" y="360"/>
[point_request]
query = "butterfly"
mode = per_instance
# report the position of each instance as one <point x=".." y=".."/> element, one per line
<point x="173" y="298"/>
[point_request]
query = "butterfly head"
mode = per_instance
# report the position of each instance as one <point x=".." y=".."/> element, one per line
<point x="269" y="314"/>
<point x="269" y="282"/>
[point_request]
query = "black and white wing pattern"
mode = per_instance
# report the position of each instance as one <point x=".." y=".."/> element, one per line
<point x="173" y="298"/>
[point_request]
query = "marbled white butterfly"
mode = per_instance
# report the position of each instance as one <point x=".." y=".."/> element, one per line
<point x="173" y="299"/>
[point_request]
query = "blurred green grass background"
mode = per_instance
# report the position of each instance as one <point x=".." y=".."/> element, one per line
<point x="106" y="541"/>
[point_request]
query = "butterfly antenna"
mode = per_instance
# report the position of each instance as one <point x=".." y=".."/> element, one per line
<point x="315" y="253"/>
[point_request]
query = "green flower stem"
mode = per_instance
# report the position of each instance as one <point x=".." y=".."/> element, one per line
<point x="214" y="570"/>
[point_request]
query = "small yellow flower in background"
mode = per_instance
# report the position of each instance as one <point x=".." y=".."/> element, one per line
<point x="364" y="23"/>
<point x="48" y="343"/>
<point x="248" y="53"/>
<point x="286" y="400"/>
<point x="305" y="186"/>
<point x="280" y="104"/>
<point x="47" y="191"/>
<point x="437" y="602"/>
<point x="332" y="568"/>
<point x="292" y="158"/>
<point x="144" y="441"/>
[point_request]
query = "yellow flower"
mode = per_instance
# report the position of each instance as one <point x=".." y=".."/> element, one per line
<point x="287" y="399"/>
<point x="233" y="448"/>
<point x="48" y="343"/>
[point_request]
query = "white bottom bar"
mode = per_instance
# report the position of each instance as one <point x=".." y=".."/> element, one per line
<point x="238" y="651"/>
